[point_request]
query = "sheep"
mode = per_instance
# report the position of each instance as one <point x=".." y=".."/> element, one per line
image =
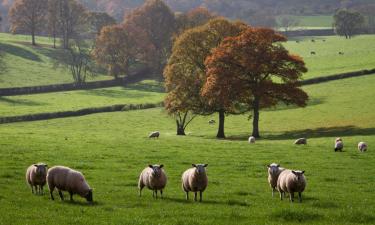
<point x="194" y="180"/>
<point x="297" y="41"/>
<point x="251" y="140"/>
<point x="313" y="53"/>
<point x="312" y="40"/>
<point x="274" y="171"/>
<point x="339" y="145"/>
<point x="211" y="122"/>
<point x="338" y="139"/>
<point x="154" y="134"/>
<point x="36" y="177"/>
<point x="291" y="181"/>
<point x="154" y="178"/>
<point x="362" y="146"/>
<point x="301" y="141"/>
<point x="66" y="179"/>
<point x="341" y="53"/>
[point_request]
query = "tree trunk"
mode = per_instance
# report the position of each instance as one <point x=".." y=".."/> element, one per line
<point x="220" y="132"/>
<point x="33" y="37"/>
<point x="256" y="118"/>
<point x="180" y="128"/>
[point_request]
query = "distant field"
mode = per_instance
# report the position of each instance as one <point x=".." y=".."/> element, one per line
<point x="112" y="148"/>
<point x="143" y="92"/>
<point x="29" y="66"/>
<point x="308" y="22"/>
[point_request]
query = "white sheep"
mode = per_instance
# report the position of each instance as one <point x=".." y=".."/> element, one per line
<point x="195" y="180"/>
<point x="154" y="178"/>
<point x="211" y="122"/>
<point x="362" y="146"/>
<point x="36" y="177"/>
<point x="251" y="140"/>
<point x="291" y="181"/>
<point x="339" y="145"/>
<point x="154" y="134"/>
<point x="66" y="179"/>
<point x="274" y="171"/>
<point x="338" y="139"/>
<point x="301" y="141"/>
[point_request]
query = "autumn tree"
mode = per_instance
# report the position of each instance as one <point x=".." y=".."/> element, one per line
<point x="185" y="73"/>
<point x="28" y="16"/>
<point x="157" y="20"/>
<point x="193" y="18"/>
<point x="98" y="20"/>
<point x="254" y="69"/>
<point x="348" y="23"/>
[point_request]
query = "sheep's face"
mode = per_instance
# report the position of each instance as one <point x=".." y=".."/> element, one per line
<point x="200" y="168"/>
<point x="299" y="174"/>
<point x="156" y="170"/>
<point x="89" y="196"/>
<point x="273" y="169"/>
<point x="41" y="169"/>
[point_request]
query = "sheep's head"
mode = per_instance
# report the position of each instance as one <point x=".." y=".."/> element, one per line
<point x="299" y="174"/>
<point x="273" y="168"/>
<point x="41" y="169"/>
<point x="200" y="168"/>
<point x="156" y="170"/>
<point x="89" y="196"/>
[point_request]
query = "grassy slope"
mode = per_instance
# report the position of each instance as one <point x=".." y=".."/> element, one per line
<point x="29" y="66"/>
<point x="143" y="92"/>
<point x="111" y="149"/>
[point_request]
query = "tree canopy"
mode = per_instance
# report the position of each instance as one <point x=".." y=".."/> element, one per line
<point x="348" y="23"/>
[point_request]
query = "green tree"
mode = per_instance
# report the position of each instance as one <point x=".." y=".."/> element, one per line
<point x="348" y="23"/>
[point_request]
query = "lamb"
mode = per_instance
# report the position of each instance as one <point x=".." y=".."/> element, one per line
<point x="301" y="141"/>
<point x="66" y="179"/>
<point x="211" y="122"/>
<point x="362" y="146"/>
<point x="291" y="181"/>
<point x="154" y="134"/>
<point x="251" y="140"/>
<point x="194" y="180"/>
<point x="274" y="171"/>
<point x="36" y="177"/>
<point x="153" y="177"/>
<point x="339" y="145"/>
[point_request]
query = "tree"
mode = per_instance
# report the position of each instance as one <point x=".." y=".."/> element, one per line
<point x="185" y="73"/>
<point x="254" y="69"/>
<point x="348" y="23"/>
<point x="288" y="22"/>
<point x="52" y="17"/>
<point x="98" y="20"/>
<point x="193" y="18"/>
<point x="157" y="20"/>
<point x="28" y="16"/>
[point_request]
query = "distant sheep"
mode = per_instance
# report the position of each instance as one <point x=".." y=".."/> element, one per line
<point x="274" y="171"/>
<point x="153" y="177"/>
<point x="362" y="146"/>
<point x="251" y="140"/>
<point x="339" y="145"/>
<point x="66" y="179"/>
<point x="36" y="177"/>
<point x="313" y="53"/>
<point x="211" y="122"/>
<point x="341" y="53"/>
<point x="312" y="40"/>
<point x="291" y="181"/>
<point x="324" y="40"/>
<point x="301" y="141"/>
<point x="297" y="41"/>
<point x="154" y="134"/>
<point x="195" y="180"/>
<point x="338" y="139"/>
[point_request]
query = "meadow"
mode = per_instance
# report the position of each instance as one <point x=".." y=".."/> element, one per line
<point x="112" y="148"/>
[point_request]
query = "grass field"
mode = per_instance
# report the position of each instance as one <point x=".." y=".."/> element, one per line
<point x="112" y="148"/>
<point x="308" y="22"/>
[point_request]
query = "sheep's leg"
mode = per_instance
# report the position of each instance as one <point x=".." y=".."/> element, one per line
<point x="300" y="196"/>
<point x="281" y="195"/>
<point x="161" y="193"/>
<point x="41" y="190"/>
<point x="291" y="196"/>
<point x="187" y="195"/>
<point x="273" y="190"/>
<point x="36" y="189"/>
<point x="51" y="192"/>
<point x="71" y="196"/>
<point x="140" y="191"/>
<point x="195" y="196"/>
<point x="61" y="195"/>
<point x="200" y="196"/>
<point x="156" y="193"/>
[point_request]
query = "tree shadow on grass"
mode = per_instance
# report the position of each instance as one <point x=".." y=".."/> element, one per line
<point x="19" y="51"/>
<point x="208" y="202"/>
<point x="148" y="87"/>
<point x="282" y="106"/>
<point x="115" y="93"/>
<point x="20" y="102"/>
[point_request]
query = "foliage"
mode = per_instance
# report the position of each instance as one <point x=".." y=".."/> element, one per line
<point x="255" y="69"/>
<point x="288" y="22"/>
<point x="98" y="20"/>
<point x="28" y="16"/>
<point x="348" y="23"/>
<point x="193" y="18"/>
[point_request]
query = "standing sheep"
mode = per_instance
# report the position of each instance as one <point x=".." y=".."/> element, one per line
<point x="36" y="177"/>
<point x="291" y="181"/>
<point x="154" y="134"/>
<point x="194" y="180"/>
<point x="339" y="145"/>
<point x="301" y="141"/>
<point x="274" y="171"/>
<point x="153" y="177"/>
<point x="211" y="122"/>
<point x="66" y="179"/>
<point x="251" y="140"/>
<point x="362" y="146"/>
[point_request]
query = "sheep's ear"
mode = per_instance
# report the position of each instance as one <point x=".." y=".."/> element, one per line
<point x="194" y="165"/>
<point x="36" y="165"/>
<point x="161" y="166"/>
<point x="205" y="165"/>
<point x="294" y="172"/>
<point x="151" y="166"/>
<point x="303" y="171"/>
<point x="278" y="165"/>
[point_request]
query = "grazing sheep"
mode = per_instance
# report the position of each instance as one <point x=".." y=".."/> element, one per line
<point x="194" y="180"/>
<point x="274" y="171"/>
<point x="324" y="40"/>
<point x="153" y="177"/>
<point x="291" y="181"/>
<point x="251" y="140"/>
<point x="301" y="141"/>
<point x="154" y="134"/>
<point x="341" y="53"/>
<point x="66" y="179"/>
<point x="362" y="146"/>
<point x="339" y="145"/>
<point x="36" y="177"/>
<point x="297" y="41"/>
<point x="313" y="53"/>
<point x="211" y="122"/>
<point x="312" y="40"/>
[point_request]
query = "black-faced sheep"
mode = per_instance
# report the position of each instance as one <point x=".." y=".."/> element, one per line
<point x="36" y="177"/>
<point x="154" y="134"/>
<point x="362" y="146"/>
<point x="195" y="180"/>
<point x="251" y="140"/>
<point x="301" y="141"/>
<point x="154" y="178"/>
<point x="291" y="181"/>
